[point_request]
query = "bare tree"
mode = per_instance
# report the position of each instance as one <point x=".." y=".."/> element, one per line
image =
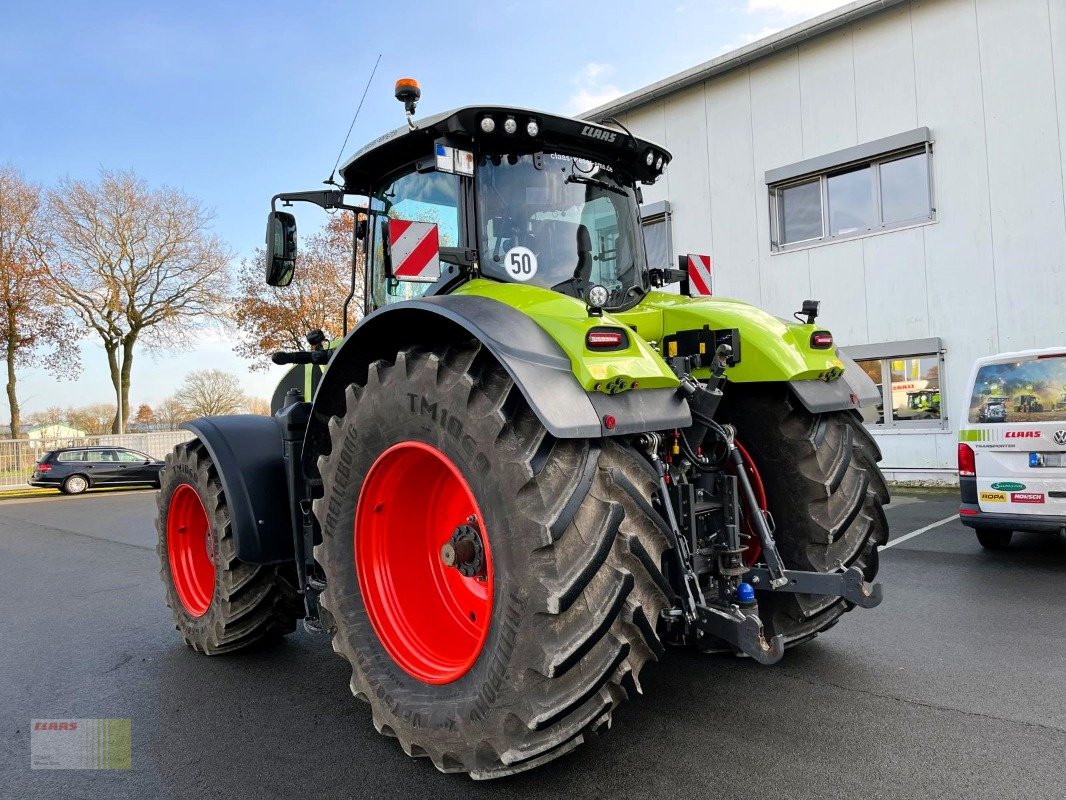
<point x="30" y="317"/>
<point x="53" y="415"/>
<point x="169" y="414"/>
<point x="210" y="393"/>
<point x="257" y="405"/>
<point x="95" y="418"/>
<point x="134" y="264"/>
<point x="274" y="318"/>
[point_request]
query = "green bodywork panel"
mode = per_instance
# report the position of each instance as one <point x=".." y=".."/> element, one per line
<point x="566" y="320"/>
<point x="771" y="350"/>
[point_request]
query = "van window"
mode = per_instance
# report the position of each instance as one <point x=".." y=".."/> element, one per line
<point x="71" y="455"/>
<point x="1032" y="389"/>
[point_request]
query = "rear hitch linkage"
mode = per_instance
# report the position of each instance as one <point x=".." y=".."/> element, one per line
<point x="740" y="626"/>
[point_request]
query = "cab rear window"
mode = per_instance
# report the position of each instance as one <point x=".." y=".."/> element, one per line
<point x="1032" y="389"/>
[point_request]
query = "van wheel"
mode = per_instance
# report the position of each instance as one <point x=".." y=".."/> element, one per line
<point x="992" y="539"/>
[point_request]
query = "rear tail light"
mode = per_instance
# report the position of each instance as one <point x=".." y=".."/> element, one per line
<point x="967" y="464"/>
<point x="821" y="340"/>
<point x="44" y="468"/>
<point x="606" y="339"/>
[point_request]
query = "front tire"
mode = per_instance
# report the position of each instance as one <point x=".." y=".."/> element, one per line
<point x="220" y="604"/>
<point x="824" y="492"/>
<point x="572" y="579"/>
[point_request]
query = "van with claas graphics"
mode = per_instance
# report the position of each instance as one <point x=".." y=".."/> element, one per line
<point x="1012" y="463"/>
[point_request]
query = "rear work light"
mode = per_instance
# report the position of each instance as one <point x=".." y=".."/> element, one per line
<point x="821" y="340"/>
<point x="606" y="339"/>
<point x="967" y="464"/>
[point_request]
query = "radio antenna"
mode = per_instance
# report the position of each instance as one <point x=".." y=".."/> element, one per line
<point x="333" y="173"/>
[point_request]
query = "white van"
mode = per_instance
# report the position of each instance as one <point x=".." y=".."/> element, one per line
<point x="1012" y="446"/>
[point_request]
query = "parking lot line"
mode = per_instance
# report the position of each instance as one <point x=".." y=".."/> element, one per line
<point x="919" y="532"/>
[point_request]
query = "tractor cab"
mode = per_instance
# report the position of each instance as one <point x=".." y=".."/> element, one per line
<point x="497" y="192"/>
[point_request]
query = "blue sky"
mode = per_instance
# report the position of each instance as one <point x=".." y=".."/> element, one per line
<point x="234" y="101"/>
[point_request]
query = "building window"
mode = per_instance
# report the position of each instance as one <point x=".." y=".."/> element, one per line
<point x="874" y="187"/>
<point x="655" y="222"/>
<point x="910" y="378"/>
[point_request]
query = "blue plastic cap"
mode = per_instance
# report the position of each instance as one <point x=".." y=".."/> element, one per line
<point x="746" y="593"/>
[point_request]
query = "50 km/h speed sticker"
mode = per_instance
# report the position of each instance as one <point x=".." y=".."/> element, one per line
<point x="520" y="263"/>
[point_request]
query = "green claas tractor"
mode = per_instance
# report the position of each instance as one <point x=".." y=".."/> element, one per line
<point x="922" y="404"/>
<point x="533" y="464"/>
<point x="1028" y="403"/>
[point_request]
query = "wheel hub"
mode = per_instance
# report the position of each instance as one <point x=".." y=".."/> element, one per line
<point x="464" y="551"/>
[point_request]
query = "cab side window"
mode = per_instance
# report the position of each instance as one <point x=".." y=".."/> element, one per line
<point x="426" y="197"/>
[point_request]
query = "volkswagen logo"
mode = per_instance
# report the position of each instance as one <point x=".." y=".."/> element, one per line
<point x="1060" y="437"/>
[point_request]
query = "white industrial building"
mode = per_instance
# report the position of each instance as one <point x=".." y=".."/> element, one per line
<point x="899" y="160"/>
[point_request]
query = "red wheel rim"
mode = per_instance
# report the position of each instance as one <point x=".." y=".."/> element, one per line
<point x="190" y="549"/>
<point x="431" y="619"/>
<point x="753" y="548"/>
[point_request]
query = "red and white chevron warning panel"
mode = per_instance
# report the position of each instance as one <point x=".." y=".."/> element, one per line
<point x="699" y="274"/>
<point x="414" y="248"/>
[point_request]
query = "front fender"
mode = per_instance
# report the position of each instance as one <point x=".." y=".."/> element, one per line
<point x="249" y="456"/>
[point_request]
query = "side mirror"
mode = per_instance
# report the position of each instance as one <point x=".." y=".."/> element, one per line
<point x="412" y="251"/>
<point x="280" y="248"/>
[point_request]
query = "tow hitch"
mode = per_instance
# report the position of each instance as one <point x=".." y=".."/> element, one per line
<point x="848" y="584"/>
<point x="724" y="616"/>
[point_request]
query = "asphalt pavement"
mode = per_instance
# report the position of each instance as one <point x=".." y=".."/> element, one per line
<point x="954" y="687"/>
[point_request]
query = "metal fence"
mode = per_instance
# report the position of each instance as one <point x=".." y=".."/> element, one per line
<point x="17" y="456"/>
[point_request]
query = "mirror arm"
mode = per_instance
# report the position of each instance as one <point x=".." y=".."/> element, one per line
<point x="323" y="198"/>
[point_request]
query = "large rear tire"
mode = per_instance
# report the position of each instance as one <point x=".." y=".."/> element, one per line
<point x="824" y="491"/>
<point x="571" y="577"/>
<point x="220" y="604"/>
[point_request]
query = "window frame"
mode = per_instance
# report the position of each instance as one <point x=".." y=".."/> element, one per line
<point x="828" y="168"/>
<point x="893" y="351"/>
<point x="371" y="270"/>
<point x="653" y="215"/>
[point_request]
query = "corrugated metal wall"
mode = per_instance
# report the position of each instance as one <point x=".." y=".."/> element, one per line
<point x="988" y="77"/>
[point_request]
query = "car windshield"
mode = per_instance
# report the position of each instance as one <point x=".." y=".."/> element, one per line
<point x="560" y="222"/>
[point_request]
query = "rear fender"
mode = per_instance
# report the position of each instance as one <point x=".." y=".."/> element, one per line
<point x="248" y="453"/>
<point x="539" y="366"/>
